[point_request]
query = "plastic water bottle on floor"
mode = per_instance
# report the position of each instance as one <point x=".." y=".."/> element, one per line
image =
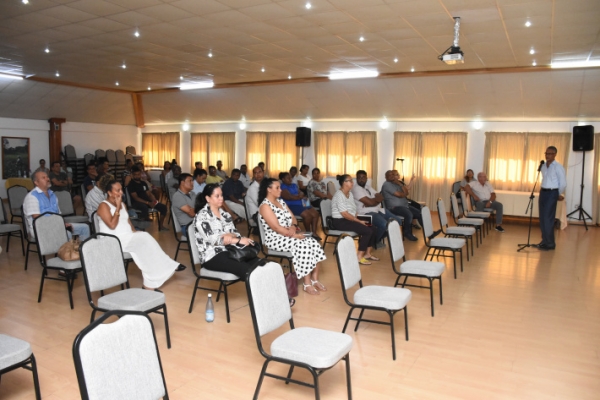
<point x="210" y="310"/>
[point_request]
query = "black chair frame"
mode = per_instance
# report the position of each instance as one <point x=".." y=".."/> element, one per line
<point x="8" y="235"/>
<point x="30" y="365"/>
<point x="27" y="238"/>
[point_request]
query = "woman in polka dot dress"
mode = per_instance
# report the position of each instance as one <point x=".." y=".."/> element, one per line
<point x="280" y="235"/>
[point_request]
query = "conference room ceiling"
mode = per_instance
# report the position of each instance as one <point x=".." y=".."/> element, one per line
<point x="89" y="42"/>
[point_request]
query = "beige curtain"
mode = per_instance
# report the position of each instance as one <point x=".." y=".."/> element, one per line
<point x="407" y="145"/>
<point x="596" y="192"/>
<point x="199" y="149"/>
<point x="277" y="149"/>
<point x="159" y="147"/>
<point x="210" y="147"/>
<point x="512" y="158"/>
<point x="339" y="153"/>
<point x="442" y="163"/>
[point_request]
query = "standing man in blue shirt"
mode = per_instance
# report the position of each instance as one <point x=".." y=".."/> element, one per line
<point x="554" y="183"/>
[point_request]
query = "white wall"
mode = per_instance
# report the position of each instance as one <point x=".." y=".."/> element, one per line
<point x="86" y="138"/>
<point x="385" y="139"/>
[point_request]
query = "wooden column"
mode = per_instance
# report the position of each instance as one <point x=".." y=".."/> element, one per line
<point x="138" y="109"/>
<point x="55" y="139"/>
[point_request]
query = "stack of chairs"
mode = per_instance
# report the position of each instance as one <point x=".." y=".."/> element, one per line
<point x="88" y="158"/>
<point x="136" y="157"/>
<point x="112" y="160"/>
<point x="76" y="164"/>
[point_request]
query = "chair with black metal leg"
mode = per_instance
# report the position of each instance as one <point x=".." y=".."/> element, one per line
<point x="16" y="195"/>
<point x="16" y="353"/>
<point x="315" y="350"/>
<point x="377" y="298"/>
<point x="179" y="235"/>
<point x="476" y="223"/>
<point x="430" y="270"/>
<point x="465" y="232"/>
<point x="9" y="230"/>
<point x="29" y="238"/>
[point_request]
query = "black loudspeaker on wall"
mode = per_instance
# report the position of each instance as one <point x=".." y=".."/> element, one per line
<point x="302" y="137"/>
<point x="583" y="138"/>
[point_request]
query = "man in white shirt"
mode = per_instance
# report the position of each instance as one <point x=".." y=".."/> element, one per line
<point x="483" y="193"/>
<point x="252" y="194"/>
<point x="368" y="202"/>
<point x="244" y="177"/>
<point x="221" y="172"/>
<point x="554" y="183"/>
<point x="199" y="180"/>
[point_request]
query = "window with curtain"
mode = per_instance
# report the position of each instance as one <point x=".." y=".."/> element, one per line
<point x="437" y="159"/>
<point x="159" y="147"/>
<point x="511" y="159"/>
<point x="210" y="147"/>
<point x="596" y="191"/>
<point x="339" y="153"/>
<point x="277" y="149"/>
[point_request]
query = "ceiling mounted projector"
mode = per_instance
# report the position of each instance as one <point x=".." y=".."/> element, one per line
<point x="453" y="54"/>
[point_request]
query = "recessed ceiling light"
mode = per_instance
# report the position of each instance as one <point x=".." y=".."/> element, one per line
<point x="136" y="34"/>
<point x="412" y="70"/>
<point x="308" y="5"/>
<point x="289" y="77"/>
<point x="532" y="51"/>
<point x="263" y="69"/>
<point x="362" y="38"/>
<point x="47" y="50"/>
<point x="25" y="1"/>
<point x="149" y="88"/>
<point x="534" y="63"/>
<point x="196" y="85"/>
<point x="124" y="66"/>
<point x="353" y="75"/>
<point x="181" y="77"/>
<point x="117" y="83"/>
<point x="396" y="59"/>
<point x="575" y="64"/>
<point x="210" y="54"/>
<point x="57" y="74"/>
<point x="528" y="23"/>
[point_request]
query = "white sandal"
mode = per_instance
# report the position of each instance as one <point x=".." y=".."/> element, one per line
<point x="304" y="286"/>
<point x="318" y="285"/>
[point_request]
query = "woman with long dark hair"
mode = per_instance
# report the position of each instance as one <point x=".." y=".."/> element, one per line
<point x="469" y="177"/>
<point x="281" y="235"/>
<point x="156" y="266"/>
<point x="214" y="229"/>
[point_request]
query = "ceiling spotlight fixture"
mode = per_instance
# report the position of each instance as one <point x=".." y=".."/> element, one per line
<point x="532" y="51"/>
<point x="117" y="83"/>
<point x="384" y="123"/>
<point x="308" y="5"/>
<point x="57" y="74"/>
<point x="196" y="85"/>
<point x="412" y="70"/>
<point x="124" y="66"/>
<point x="25" y="1"/>
<point x="47" y="50"/>
<point x="9" y="76"/>
<point x="181" y="77"/>
<point x="534" y="63"/>
<point x="453" y="54"/>
<point x="528" y="23"/>
<point x="149" y="88"/>
<point x="210" y="54"/>
<point x="396" y="59"/>
<point x="362" y="38"/>
<point x="136" y="34"/>
<point x="262" y="69"/>
<point x="289" y="77"/>
<point x="243" y="123"/>
<point x="575" y="64"/>
<point x="353" y="75"/>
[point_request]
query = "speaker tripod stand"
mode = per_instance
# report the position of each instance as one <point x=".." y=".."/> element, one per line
<point x="583" y="215"/>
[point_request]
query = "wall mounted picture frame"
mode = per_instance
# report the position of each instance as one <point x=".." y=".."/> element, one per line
<point x="15" y="157"/>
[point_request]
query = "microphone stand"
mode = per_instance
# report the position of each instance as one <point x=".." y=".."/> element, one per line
<point x="530" y="209"/>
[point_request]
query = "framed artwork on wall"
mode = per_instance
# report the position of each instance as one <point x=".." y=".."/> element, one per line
<point x="15" y="157"/>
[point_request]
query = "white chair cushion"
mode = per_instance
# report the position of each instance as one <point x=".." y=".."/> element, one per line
<point x="7" y="228"/>
<point x="58" y="263"/>
<point x="127" y="256"/>
<point x="453" y="243"/>
<point x="333" y="232"/>
<point x="460" y="230"/>
<point x="470" y="221"/>
<point x="478" y="214"/>
<point x="279" y="253"/>
<point x="77" y="219"/>
<point x="390" y="298"/>
<point x="224" y="276"/>
<point x="13" y="351"/>
<point x="315" y="347"/>
<point x="132" y="300"/>
<point x="420" y="267"/>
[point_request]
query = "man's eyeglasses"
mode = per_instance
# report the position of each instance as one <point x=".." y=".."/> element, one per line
<point x="549" y="154"/>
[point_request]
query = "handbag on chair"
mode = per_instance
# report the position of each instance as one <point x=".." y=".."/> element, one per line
<point x="70" y="250"/>
<point x="243" y="253"/>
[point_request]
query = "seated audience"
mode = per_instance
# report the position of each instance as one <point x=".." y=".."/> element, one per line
<point x="102" y="166"/>
<point x="303" y="178"/>
<point x="62" y="183"/>
<point x="281" y="234"/>
<point x="264" y="168"/>
<point x="368" y="202"/>
<point x="317" y="189"/>
<point x="97" y="195"/>
<point x="127" y="172"/>
<point x="483" y="193"/>
<point x="294" y="200"/>
<point x="214" y="229"/>
<point x="294" y="174"/>
<point x="173" y="182"/>
<point x="343" y="212"/>
<point x="469" y="177"/>
<point x="42" y="167"/>
<point x="395" y="194"/>
<point x="183" y="202"/>
<point x="90" y="180"/>
<point x="220" y="172"/>
<point x="156" y="191"/>
<point x="213" y="177"/>
<point x="199" y="180"/>
<point x="233" y="192"/>
<point x="198" y="165"/>
<point x="142" y="198"/>
<point x="252" y="193"/>
<point x="42" y="199"/>
<point x="244" y="177"/>
<point x="166" y="172"/>
<point x="67" y="170"/>
<point x="156" y="266"/>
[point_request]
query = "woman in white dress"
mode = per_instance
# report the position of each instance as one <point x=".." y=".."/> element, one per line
<point x="281" y="235"/>
<point x="156" y="266"/>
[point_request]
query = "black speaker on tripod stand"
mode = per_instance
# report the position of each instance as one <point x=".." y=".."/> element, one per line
<point x="583" y="140"/>
<point x="303" y="138"/>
